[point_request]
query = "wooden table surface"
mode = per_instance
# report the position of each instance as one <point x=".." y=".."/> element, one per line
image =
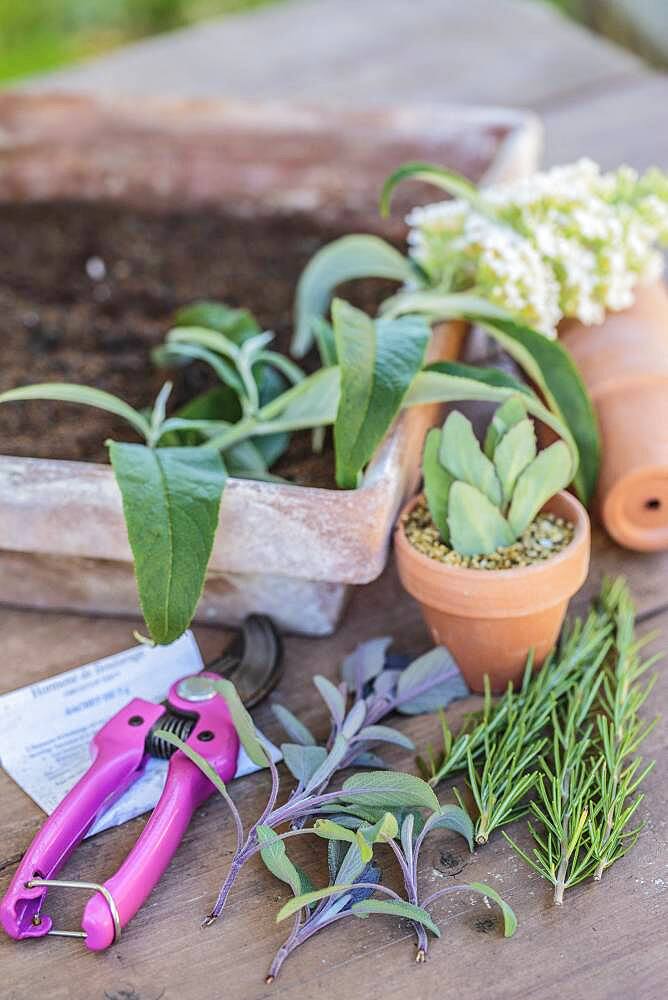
<point x="609" y="940"/>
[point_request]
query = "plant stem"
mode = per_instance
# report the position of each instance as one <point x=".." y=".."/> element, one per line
<point x="562" y="870"/>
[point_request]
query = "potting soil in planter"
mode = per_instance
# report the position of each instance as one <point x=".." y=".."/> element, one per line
<point x="86" y="291"/>
<point x="544" y="537"/>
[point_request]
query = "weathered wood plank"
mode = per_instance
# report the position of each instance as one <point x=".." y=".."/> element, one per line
<point x="621" y="124"/>
<point x="606" y="943"/>
<point x="481" y="51"/>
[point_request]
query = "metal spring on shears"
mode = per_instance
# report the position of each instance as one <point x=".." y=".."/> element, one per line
<point x="180" y="725"/>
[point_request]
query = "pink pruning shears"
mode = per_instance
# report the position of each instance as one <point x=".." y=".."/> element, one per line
<point x="196" y="713"/>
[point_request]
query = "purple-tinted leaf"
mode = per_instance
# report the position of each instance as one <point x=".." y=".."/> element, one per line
<point x="331" y="909"/>
<point x="352" y="866"/>
<point x="331" y="762"/>
<point x="365" y="662"/>
<point x="354" y="720"/>
<point x="332" y="697"/>
<point x="430" y="682"/>
<point x="369" y="759"/>
<point x="385" y="734"/>
<point x="350" y="822"/>
<point x="370" y="874"/>
<point x="386" y="682"/>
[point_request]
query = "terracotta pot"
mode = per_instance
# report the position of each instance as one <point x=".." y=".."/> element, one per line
<point x="491" y="620"/>
<point x="624" y="363"/>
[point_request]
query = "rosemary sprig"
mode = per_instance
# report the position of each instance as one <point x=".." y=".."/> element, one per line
<point x="621" y="730"/>
<point x="585" y="791"/>
<point x="500" y="748"/>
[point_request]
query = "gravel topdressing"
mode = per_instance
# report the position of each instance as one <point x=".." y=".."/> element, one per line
<point x="544" y="537"/>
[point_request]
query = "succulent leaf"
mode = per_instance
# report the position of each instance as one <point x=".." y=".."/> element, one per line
<point x="477" y="526"/>
<point x="514" y="452"/>
<point x="546" y="475"/>
<point x="437" y="482"/>
<point x="463" y="457"/>
<point x="507" y="415"/>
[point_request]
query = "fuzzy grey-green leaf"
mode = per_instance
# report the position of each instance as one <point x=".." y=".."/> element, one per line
<point x="332" y="697"/>
<point x="450" y="817"/>
<point x="312" y="402"/>
<point x="274" y="855"/>
<point x="83" y="395"/>
<point x="389" y="789"/>
<point x="430" y="682"/>
<point x="303" y="761"/>
<point x="243" y="723"/>
<point x="396" y="908"/>
<point x="385" y="734"/>
<point x="509" y="918"/>
<point x="296" y="730"/>
<point x="365" y="662"/>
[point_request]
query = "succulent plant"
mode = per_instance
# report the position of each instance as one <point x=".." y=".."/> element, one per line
<point x="483" y="498"/>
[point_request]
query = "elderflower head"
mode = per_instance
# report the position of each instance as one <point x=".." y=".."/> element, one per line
<point x="568" y="242"/>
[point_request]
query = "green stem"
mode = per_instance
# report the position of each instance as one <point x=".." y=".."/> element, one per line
<point x="232" y="435"/>
<point x="562" y="870"/>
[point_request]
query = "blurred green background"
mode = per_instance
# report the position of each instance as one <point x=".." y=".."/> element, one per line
<point x="39" y="35"/>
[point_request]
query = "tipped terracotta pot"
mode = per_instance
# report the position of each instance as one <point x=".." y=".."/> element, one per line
<point x="491" y="619"/>
<point x="624" y="363"/>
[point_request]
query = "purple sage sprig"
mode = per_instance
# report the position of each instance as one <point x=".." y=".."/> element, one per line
<point x="366" y="695"/>
<point x="355" y="880"/>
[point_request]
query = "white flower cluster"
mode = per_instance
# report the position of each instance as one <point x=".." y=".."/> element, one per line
<point x="569" y="242"/>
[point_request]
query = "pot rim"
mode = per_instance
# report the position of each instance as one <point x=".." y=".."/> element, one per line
<point x="580" y="519"/>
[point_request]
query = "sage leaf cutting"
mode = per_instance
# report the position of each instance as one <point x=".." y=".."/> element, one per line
<point x="171" y="501"/>
<point x="346" y="258"/>
<point x="378" y="361"/>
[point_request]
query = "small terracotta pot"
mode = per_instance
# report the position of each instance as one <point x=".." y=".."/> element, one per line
<point x="624" y="363"/>
<point x="447" y="340"/>
<point x="491" y="619"/>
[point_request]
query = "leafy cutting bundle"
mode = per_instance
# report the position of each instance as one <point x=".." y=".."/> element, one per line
<point x="369" y="809"/>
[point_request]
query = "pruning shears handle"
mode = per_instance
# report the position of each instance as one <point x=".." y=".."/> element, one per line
<point x="120" y="754"/>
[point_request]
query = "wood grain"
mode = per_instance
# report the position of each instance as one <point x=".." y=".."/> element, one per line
<point x="609" y="941"/>
<point x="606" y="942"/>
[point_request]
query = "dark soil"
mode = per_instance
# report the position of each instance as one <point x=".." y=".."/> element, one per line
<point x="87" y="290"/>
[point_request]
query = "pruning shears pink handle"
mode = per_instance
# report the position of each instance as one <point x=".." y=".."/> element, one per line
<point x="120" y="753"/>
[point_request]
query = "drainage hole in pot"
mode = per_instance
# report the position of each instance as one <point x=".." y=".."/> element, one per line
<point x="653" y="504"/>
